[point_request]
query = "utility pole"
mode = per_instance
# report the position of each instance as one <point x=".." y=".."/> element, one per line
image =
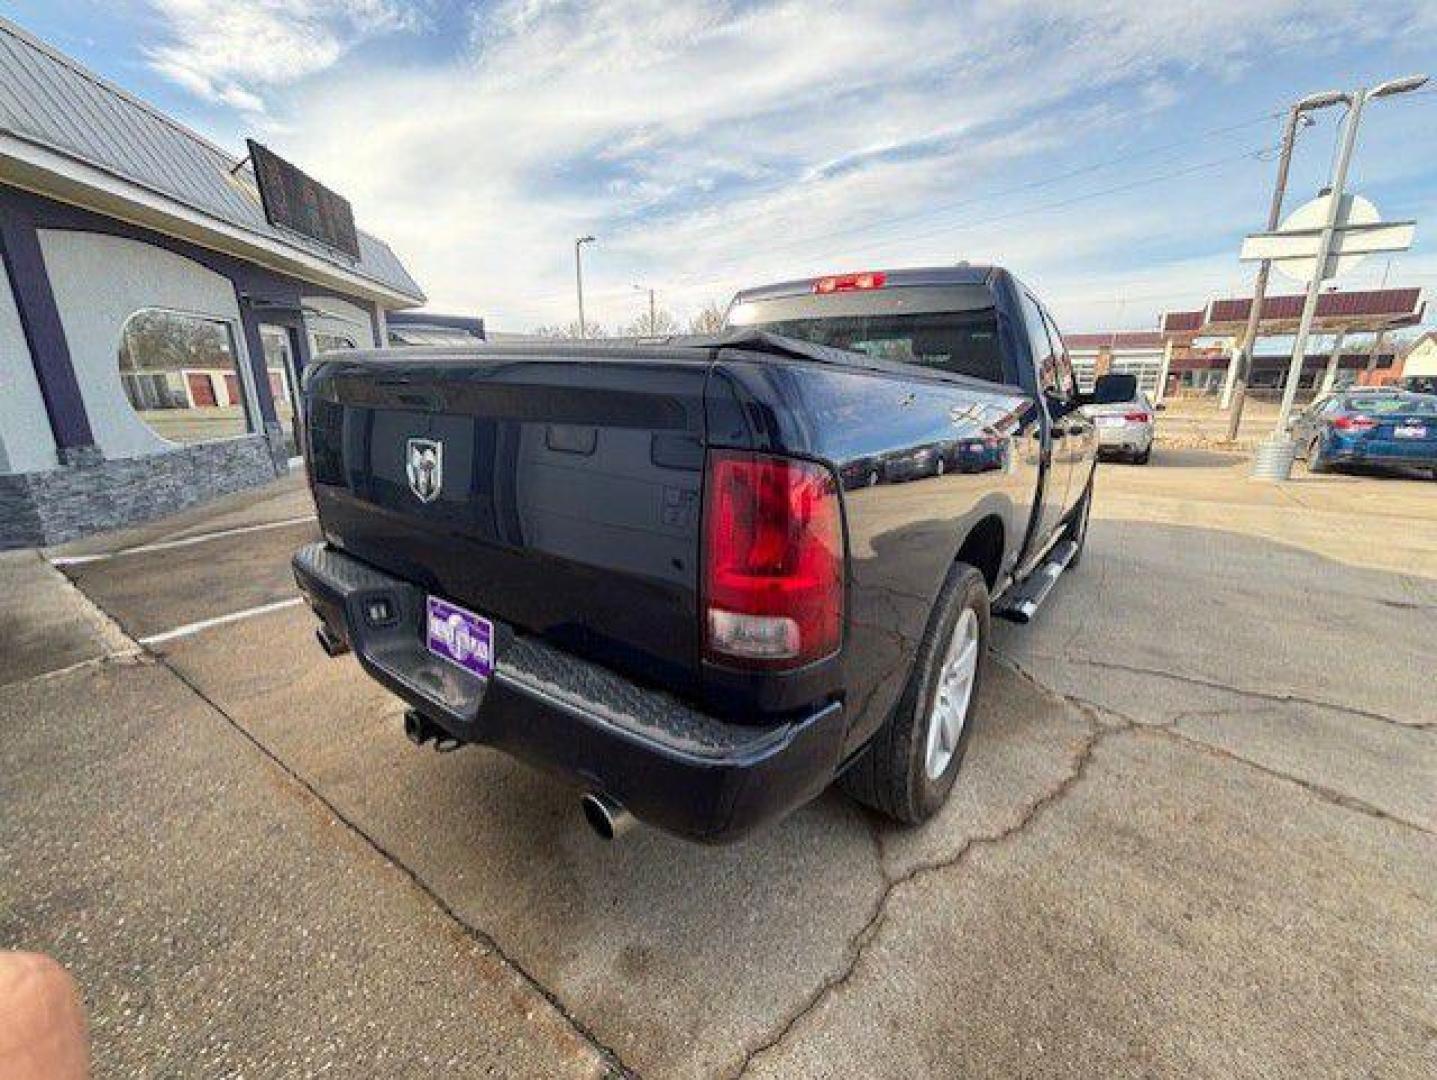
<point x="579" y="279"/>
<point x="1334" y="362"/>
<point x="653" y="308"/>
<point x="1242" y="362"/>
<point x="1376" y="353"/>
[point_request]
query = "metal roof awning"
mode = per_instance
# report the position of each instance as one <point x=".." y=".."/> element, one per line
<point x="1370" y="311"/>
<point x="69" y="135"/>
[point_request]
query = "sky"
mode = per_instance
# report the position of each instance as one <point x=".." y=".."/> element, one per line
<point x="1112" y="153"/>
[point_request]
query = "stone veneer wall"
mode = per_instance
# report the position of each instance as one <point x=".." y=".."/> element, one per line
<point x="90" y="495"/>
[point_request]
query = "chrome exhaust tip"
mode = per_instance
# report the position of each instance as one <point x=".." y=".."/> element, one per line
<point x="606" y="816"/>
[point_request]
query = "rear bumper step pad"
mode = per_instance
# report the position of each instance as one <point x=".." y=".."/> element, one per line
<point x="693" y="774"/>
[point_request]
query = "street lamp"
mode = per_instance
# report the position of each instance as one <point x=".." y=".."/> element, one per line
<point x="579" y="279"/>
<point x="1279" y="452"/>
<point x="1398" y="86"/>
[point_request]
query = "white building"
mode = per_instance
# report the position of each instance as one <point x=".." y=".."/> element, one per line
<point x="155" y="309"/>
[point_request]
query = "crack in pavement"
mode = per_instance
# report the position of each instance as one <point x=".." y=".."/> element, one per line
<point x="869" y="931"/>
<point x="1169" y="728"/>
<point x="135" y="653"/>
<point x="1263" y="695"/>
<point x="1091" y="708"/>
<point x="1321" y="791"/>
<point x="614" y="1064"/>
<point x="1100" y="729"/>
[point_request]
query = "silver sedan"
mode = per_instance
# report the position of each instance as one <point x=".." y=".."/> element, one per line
<point x="1125" y="429"/>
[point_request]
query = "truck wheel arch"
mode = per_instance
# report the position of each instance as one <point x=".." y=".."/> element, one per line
<point x="983" y="548"/>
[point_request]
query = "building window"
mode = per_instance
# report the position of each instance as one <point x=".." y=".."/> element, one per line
<point x="283" y="374"/>
<point x="181" y="375"/>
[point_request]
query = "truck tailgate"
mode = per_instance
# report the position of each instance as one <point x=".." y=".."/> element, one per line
<point x="557" y="494"/>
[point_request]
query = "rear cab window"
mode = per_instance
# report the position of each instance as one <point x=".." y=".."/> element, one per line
<point x="946" y="328"/>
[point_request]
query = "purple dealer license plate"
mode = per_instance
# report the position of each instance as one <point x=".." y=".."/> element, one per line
<point x="460" y="636"/>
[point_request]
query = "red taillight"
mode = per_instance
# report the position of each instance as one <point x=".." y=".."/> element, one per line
<point x="870" y="279"/>
<point x="773" y="561"/>
<point x="1137" y="417"/>
<point x="1354" y="423"/>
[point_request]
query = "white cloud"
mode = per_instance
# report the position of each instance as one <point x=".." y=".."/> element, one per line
<point x="712" y="144"/>
<point x="230" y="51"/>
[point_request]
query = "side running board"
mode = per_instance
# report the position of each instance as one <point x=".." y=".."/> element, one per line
<point x="1022" y="601"/>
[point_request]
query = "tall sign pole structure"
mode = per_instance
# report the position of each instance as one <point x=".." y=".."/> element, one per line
<point x="1243" y="360"/>
<point x="1322" y="252"/>
<point x="1336" y="205"/>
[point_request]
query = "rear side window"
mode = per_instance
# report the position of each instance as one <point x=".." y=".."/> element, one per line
<point x="1066" y="379"/>
<point x="1045" y="360"/>
<point x="954" y="330"/>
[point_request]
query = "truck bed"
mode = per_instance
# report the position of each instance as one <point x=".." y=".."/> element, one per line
<point x="571" y="501"/>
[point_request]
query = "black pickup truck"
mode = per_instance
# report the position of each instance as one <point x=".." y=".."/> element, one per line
<point x="704" y="578"/>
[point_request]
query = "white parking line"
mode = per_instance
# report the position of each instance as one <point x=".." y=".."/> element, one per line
<point x="186" y="541"/>
<point x="219" y="620"/>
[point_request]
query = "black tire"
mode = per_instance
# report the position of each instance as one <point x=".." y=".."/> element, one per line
<point x="1315" y="464"/>
<point x="1142" y="459"/>
<point x="1077" y="527"/>
<point x="891" y="774"/>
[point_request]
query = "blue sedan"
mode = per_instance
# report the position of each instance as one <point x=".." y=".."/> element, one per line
<point x="1367" y="428"/>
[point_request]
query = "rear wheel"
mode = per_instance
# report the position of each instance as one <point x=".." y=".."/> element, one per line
<point x="1315" y="464"/>
<point x="1142" y="459"/>
<point x="908" y="769"/>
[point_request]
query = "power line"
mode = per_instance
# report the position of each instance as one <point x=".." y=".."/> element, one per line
<point x="1047" y="181"/>
<point x="718" y="273"/>
<point x="1007" y="215"/>
<point x="796" y="244"/>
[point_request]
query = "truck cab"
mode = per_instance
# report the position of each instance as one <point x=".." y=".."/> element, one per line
<point x="979" y="322"/>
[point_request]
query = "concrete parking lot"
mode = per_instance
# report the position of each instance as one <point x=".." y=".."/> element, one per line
<point x="1195" y="833"/>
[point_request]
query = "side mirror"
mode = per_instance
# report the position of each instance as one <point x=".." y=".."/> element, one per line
<point x="1161" y="406"/>
<point x="1112" y="389"/>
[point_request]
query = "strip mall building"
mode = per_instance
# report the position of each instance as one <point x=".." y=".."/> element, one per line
<point x="1192" y="351"/>
<point x="154" y="319"/>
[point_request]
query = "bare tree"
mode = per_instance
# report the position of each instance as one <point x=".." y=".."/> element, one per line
<point x="709" y="320"/>
<point x="658" y="323"/>
<point x="572" y="329"/>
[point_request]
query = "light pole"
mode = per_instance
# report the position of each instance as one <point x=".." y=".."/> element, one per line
<point x="579" y="279"/>
<point x="1357" y="99"/>
<point x="653" y="310"/>
<point x="1243" y="360"/>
